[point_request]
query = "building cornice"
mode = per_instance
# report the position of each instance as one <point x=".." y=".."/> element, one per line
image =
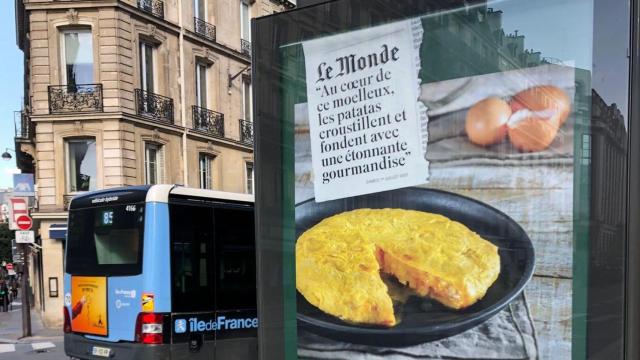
<point x="65" y="5"/>
<point x="228" y="143"/>
<point x="220" y="48"/>
<point x="43" y="215"/>
<point x="81" y="116"/>
<point x="141" y="121"/>
<point x="107" y="116"/>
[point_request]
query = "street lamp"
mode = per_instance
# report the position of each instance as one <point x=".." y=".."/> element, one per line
<point x="6" y="155"/>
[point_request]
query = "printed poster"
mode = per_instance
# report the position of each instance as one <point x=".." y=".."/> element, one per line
<point x="89" y="305"/>
<point x="496" y="167"/>
<point x="367" y="125"/>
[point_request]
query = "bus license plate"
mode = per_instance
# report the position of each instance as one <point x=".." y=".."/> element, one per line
<point x="100" y="351"/>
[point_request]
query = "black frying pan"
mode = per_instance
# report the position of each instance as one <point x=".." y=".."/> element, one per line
<point x="425" y="320"/>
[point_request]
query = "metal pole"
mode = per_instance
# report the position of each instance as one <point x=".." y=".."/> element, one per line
<point x="26" y="308"/>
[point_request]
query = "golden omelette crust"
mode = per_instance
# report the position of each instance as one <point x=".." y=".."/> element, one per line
<point x="338" y="262"/>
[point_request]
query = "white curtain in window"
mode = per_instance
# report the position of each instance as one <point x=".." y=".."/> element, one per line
<point x="78" y="57"/>
<point x="81" y="165"/>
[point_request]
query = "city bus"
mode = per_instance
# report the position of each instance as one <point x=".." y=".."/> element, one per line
<point x="160" y="272"/>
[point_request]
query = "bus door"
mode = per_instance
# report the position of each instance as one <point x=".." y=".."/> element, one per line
<point x="192" y="281"/>
<point x="236" y="315"/>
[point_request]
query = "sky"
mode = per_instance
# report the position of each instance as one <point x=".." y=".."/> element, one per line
<point x="11" y="88"/>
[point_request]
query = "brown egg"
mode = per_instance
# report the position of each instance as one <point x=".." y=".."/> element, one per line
<point x="486" y="122"/>
<point x="539" y="98"/>
<point x="538" y="113"/>
<point x="532" y="131"/>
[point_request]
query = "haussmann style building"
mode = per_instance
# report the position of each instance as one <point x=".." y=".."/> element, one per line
<point x="128" y="92"/>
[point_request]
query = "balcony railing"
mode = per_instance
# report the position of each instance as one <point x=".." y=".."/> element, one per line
<point x="204" y="28"/>
<point x="153" y="7"/>
<point x="25" y="129"/>
<point x="246" y="131"/>
<point x="208" y="121"/>
<point x="245" y="46"/>
<point x="157" y="107"/>
<point x="75" y="98"/>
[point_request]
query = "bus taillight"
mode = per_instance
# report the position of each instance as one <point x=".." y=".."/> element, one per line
<point x="67" y="320"/>
<point x="149" y="329"/>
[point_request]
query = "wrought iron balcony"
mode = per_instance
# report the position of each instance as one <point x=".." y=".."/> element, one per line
<point x="25" y="129"/>
<point x="287" y="3"/>
<point x="246" y="131"/>
<point x="204" y="29"/>
<point x="157" y="107"/>
<point x="153" y="7"/>
<point x="75" y="98"/>
<point x="245" y="46"/>
<point x="208" y="121"/>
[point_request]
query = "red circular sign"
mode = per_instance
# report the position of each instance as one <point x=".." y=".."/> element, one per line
<point x="9" y="266"/>
<point x="24" y="222"/>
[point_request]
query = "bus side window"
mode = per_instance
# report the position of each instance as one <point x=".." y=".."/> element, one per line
<point x="235" y="252"/>
<point x="192" y="260"/>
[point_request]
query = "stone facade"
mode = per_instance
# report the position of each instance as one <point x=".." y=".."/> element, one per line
<point x="109" y="111"/>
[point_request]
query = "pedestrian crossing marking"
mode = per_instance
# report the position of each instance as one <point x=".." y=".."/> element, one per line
<point x="5" y="348"/>
<point x="41" y="346"/>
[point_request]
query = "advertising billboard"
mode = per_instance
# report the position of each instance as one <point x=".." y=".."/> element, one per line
<point x="417" y="203"/>
<point x="443" y="181"/>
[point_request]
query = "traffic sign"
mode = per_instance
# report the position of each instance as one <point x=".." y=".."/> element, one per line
<point x="24" y="222"/>
<point x="18" y="206"/>
<point x="25" y="237"/>
<point x="9" y="266"/>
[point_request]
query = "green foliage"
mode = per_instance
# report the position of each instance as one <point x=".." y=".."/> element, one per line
<point x="5" y="243"/>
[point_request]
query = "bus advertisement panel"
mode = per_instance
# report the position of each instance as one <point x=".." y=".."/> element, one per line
<point x="89" y="305"/>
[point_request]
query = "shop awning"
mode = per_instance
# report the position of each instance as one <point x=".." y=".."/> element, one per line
<point x="58" y="231"/>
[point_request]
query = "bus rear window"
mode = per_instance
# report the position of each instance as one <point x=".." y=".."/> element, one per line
<point x="105" y="240"/>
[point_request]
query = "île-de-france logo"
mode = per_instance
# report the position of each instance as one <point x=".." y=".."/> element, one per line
<point x="181" y="326"/>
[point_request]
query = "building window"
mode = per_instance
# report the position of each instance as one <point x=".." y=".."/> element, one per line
<point x="250" y="181"/>
<point x="245" y="21"/>
<point x="199" y="9"/>
<point x="146" y="66"/>
<point x="586" y="149"/>
<point x="153" y="163"/>
<point x="246" y="100"/>
<point x="81" y="169"/>
<point x="206" y="162"/>
<point x="77" y="57"/>
<point x="201" y="85"/>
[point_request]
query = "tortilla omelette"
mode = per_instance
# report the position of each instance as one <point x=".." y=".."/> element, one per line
<point x="339" y="260"/>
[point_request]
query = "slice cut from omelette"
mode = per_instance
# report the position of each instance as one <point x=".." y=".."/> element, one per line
<point x="339" y="260"/>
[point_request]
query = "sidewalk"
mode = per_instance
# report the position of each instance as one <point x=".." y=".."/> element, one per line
<point x="11" y="326"/>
